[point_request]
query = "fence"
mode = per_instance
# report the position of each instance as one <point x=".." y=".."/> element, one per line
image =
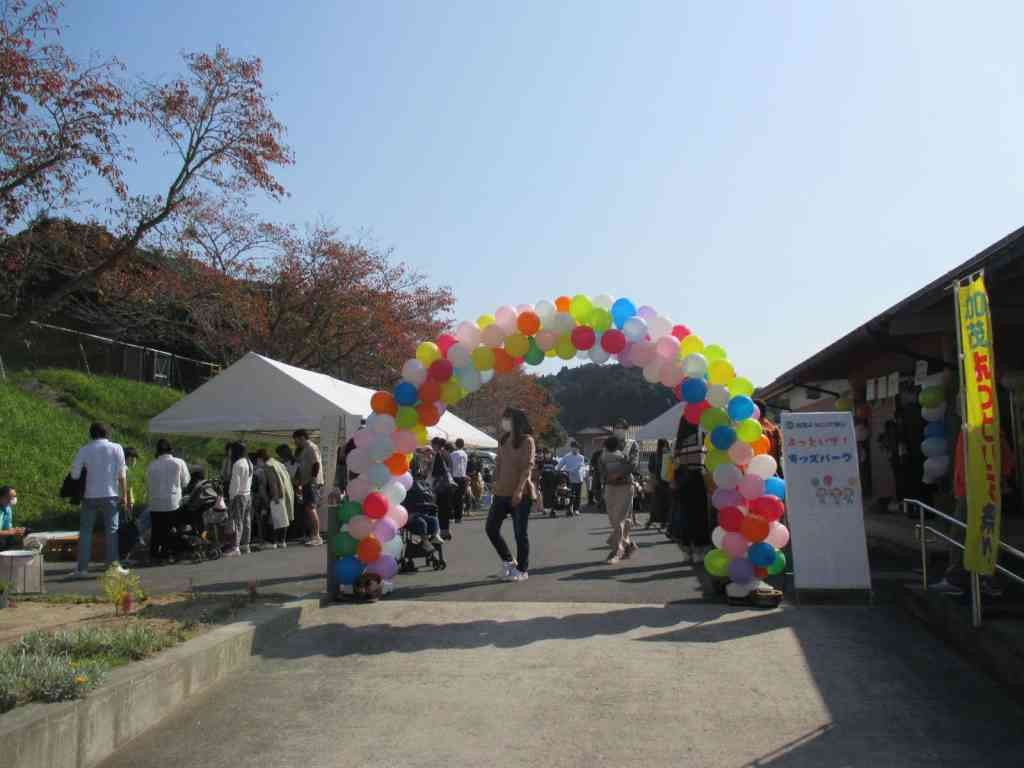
<point x="50" y="346"/>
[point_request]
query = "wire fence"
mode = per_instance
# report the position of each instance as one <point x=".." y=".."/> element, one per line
<point x="50" y="346"/>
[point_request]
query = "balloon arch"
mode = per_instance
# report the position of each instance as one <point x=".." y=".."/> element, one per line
<point x="748" y="495"/>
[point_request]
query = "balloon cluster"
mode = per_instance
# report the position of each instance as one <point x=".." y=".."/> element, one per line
<point x="935" y="446"/>
<point x="599" y="329"/>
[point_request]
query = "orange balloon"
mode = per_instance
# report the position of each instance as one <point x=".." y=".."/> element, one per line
<point x="754" y="528"/>
<point x="562" y="303"/>
<point x="369" y="549"/>
<point x="528" y="323"/>
<point x="503" y="361"/>
<point x="428" y="415"/>
<point x="430" y="391"/>
<point x="384" y="402"/>
<point x="398" y="463"/>
<point x="761" y="446"/>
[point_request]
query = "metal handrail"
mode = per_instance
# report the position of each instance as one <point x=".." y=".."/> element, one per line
<point x="923" y="508"/>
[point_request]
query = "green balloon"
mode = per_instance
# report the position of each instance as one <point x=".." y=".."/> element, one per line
<point x="535" y="355"/>
<point x="749" y="430"/>
<point x="580" y="308"/>
<point x="714" y="352"/>
<point x="348" y="510"/>
<point x="716" y="458"/>
<point x="344" y="545"/>
<point x="931" y="397"/>
<point x="716" y="562"/>
<point x="600" y="320"/>
<point x="407" y="417"/>
<point x="779" y="565"/>
<point x="714" y="417"/>
<point x="741" y="386"/>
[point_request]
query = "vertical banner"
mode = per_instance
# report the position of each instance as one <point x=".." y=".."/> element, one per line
<point x="982" y="459"/>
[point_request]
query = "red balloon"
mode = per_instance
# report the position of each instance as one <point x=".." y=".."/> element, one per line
<point x="428" y="414"/>
<point x="613" y="341"/>
<point x="430" y="391"/>
<point x="441" y="370"/>
<point x="445" y="342"/>
<point x="770" y="508"/>
<point x="583" y="337"/>
<point x="754" y="528"/>
<point x="375" y="506"/>
<point x="680" y="331"/>
<point x="369" y="549"/>
<point x="730" y="518"/>
<point x="692" y="413"/>
<point x="761" y="573"/>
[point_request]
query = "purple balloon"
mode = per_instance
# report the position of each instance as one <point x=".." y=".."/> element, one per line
<point x="625" y="356"/>
<point x="727" y="497"/>
<point x="741" y="570"/>
<point x="647" y="313"/>
<point x="384" y="566"/>
<point x="385" y="529"/>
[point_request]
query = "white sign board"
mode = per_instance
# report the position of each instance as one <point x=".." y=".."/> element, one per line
<point x="824" y="502"/>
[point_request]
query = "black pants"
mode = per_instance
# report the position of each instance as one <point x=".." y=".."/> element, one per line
<point x="575" y="490"/>
<point x="459" y="497"/>
<point x="160" y="533"/>
<point x="444" y="508"/>
<point x="693" y="499"/>
<point x="661" y="504"/>
<point x="501" y="508"/>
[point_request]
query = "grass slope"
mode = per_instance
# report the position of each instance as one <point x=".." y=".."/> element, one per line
<point x="39" y="437"/>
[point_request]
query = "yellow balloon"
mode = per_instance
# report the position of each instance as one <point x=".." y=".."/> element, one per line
<point x="550" y="353"/>
<point x="451" y="392"/>
<point x="565" y="348"/>
<point x="714" y="352"/>
<point x="691" y="345"/>
<point x="483" y="358"/>
<point x="580" y="308"/>
<point x="741" y="386"/>
<point x="427" y="352"/>
<point x="721" y="372"/>
<point x="517" y="345"/>
<point x="421" y="434"/>
<point x="484" y="320"/>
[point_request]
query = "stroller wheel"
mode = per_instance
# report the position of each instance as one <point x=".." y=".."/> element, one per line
<point x="437" y="565"/>
<point x="443" y="564"/>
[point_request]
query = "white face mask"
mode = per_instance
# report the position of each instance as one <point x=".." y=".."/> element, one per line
<point x="14" y="501"/>
<point x="506" y="425"/>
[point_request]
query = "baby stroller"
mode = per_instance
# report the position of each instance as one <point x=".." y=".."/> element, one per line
<point x="190" y="533"/>
<point x="562" y="496"/>
<point x="420" y="533"/>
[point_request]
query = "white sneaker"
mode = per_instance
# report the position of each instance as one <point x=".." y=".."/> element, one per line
<point x="436" y="539"/>
<point x="272" y="545"/>
<point x="316" y="541"/>
<point x="233" y="553"/>
<point x="118" y="568"/>
<point x="505" y="574"/>
<point x="518" y="575"/>
<point x="283" y="545"/>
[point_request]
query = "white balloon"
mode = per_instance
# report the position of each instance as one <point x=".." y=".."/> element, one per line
<point x="458" y="354"/>
<point x="936" y="466"/>
<point x="414" y="372"/>
<point x="695" y="365"/>
<point x="563" y="322"/>
<point x="470" y="379"/>
<point x="468" y="334"/>
<point x="381" y="423"/>
<point x="718" y="396"/>
<point x="599" y="355"/>
<point x="718" y="536"/>
<point x="523" y="308"/>
<point x="659" y="326"/>
<point x="764" y="466"/>
<point x="394" y="492"/>
<point x="382" y="447"/>
<point x="395" y="547"/>
<point x="405" y="481"/>
<point x="727" y="476"/>
<point x="358" y="460"/>
<point x="506" y="317"/>
<point x="652" y="371"/>
<point x="635" y="329"/>
<point x="545" y="311"/>
<point x="486" y="376"/>
<point x="603" y="300"/>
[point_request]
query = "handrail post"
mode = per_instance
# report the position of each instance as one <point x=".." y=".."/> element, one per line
<point x="975" y="599"/>
<point x="924" y="547"/>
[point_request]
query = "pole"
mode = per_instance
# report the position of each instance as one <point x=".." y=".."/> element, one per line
<point x="962" y="397"/>
<point x="924" y="545"/>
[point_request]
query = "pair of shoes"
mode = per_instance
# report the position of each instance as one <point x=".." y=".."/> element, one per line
<point x="272" y="546"/>
<point x="506" y="570"/>
<point x="632" y="547"/>
<point x="314" y="541"/>
<point x="446" y="535"/>
<point x="122" y="570"/>
<point x="233" y="553"/>
<point x="614" y="559"/>
<point x="283" y="545"/>
<point x="436" y="539"/>
<point x="518" y="575"/>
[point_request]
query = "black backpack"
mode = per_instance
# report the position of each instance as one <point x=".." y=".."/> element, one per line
<point x="73" y="490"/>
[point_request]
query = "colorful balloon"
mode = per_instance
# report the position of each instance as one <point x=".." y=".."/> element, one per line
<point x="691" y="345"/>
<point x="735" y="545"/>
<point x="741" y="570"/>
<point x="347" y="570"/>
<point x="360" y="526"/>
<point x="369" y="549"/>
<point x="580" y="308"/>
<point x="731" y="518"/>
<point x="405" y="394"/>
<point x="383" y="402"/>
<point x="778" y="535"/>
<point x="716" y="562"/>
<point x="741" y="407"/>
<point x="528" y="323"/>
<point x="754" y="528"/>
<point x="723" y="437"/>
<point x="770" y="508"/>
<point x="749" y="430"/>
<point x="763" y="466"/>
<point x="427" y="352"/>
<point x="384" y="566"/>
<point x="779" y="565"/>
<point x="583" y="337"/>
<point x="622" y="310"/>
<point x="343" y="545"/>
<point x="613" y="341"/>
<point x="775" y="486"/>
<point x="761" y="554"/>
<point x="375" y="506"/>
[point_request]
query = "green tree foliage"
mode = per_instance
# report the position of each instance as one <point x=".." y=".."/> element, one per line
<point x="596" y="395"/>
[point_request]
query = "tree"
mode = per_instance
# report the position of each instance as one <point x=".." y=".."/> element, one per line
<point x="597" y="395"/>
<point x="518" y="390"/>
<point x="218" y="123"/>
<point x="59" y="121"/>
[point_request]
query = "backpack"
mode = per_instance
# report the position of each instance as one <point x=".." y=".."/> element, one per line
<point x="73" y="490"/>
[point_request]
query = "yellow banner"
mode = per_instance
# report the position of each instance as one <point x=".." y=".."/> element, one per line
<point x="982" y="459"/>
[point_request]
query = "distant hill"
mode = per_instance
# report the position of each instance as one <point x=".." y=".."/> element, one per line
<point x="594" y="395"/>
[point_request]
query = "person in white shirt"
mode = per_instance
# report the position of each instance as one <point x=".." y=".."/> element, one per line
<point x="573" y="464"/>
<point x="460" y="460"/>
<point x="166" y="476"/>
<point x="106" y="490"/>
<point x="240" y="500"/>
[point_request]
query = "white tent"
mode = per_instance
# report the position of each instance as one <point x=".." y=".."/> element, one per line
<point x="261" y="396"/>
<point x="665" y="426"/>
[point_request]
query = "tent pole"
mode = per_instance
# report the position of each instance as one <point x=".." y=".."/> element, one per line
<point x="332" y="436"/>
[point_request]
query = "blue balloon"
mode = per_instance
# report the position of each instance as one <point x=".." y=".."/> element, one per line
<point x="622" y="310"/>
<point x="723" y="437"/>
<point x="935" y="429"/>
<point x="348" y="569"/>
<point x="406" y="393"/>
<point x="741" y="407"/>
<point x="775" y="486"/>
<point x="694" y="390"/>
<point x="379" y="475"/>
<point x="762" y="554"/>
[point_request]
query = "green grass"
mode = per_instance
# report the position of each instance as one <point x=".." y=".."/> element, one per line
<point x="38" y="439"/>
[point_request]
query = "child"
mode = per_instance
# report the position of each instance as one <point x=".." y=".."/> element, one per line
<point x="8" y="499"/>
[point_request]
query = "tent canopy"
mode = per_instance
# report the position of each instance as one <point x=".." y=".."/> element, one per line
<point x="665" y="426"/>
<point x="261" y="396"/>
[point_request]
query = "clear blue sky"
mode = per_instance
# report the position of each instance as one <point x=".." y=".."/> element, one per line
<point x="771" y="174"/>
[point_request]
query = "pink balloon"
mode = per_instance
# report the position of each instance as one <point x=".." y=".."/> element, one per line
<point x="360" y="526"/>
<point x="506" y="317"/>
<point x="757" y="414"/>
<point x="642" y="353"/>
<point x="724" y="497"/>
<point x="778" y="535"/>
<point x="735" y="545"/>
<point x="752" y="487"/>
<point x="364" y="437"/>
<point x="384" y="566"/>
<point x="445" y="342"/>
<point x="626" y="356"/>
<point x="672" y="374"/>
<point x="741" y="453"/>
<point x="668" y="347"/>
<point x="359" y="488"/>
<point x="546" y="339"/>
<point x="358" y="460"/>
<point x="405" y="441"/>
<point x="398" y="515"/>
<point x="385" y="529"/>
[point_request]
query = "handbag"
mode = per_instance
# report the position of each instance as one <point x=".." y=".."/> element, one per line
<point x="278" y="514"/>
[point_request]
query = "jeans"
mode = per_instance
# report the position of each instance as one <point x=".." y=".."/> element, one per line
<point x="575" y="489"/>
<point x="501" y="508"/>
<point x="110" y="508"/>
<point x="423" y="525"/>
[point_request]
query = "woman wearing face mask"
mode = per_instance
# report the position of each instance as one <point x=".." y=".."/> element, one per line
<point x="8" y="500"/>
<point x="513" y="493"/>
<point x="619" y="462"/>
